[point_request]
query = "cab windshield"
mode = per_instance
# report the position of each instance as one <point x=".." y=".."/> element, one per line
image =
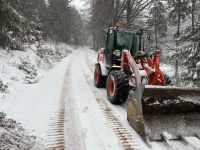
<point x="127" y="40"/>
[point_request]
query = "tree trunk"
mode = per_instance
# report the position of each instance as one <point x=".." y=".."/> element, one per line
<point x="112" y="11"/>
<point x="156" y="37"/>
<point x="193" y="15"/>
<point x="179" y="18"/>
<point x="115" y="19"/>
<point x="176" y="68"/>
<point x="128" y="14"/>
<point x="177" y="36"/>
<point x="93" y="24"/>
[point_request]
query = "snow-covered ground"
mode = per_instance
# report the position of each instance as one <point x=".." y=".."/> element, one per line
<point x="64" y="104"/>
<point x="34" y="104"/>
<point x="30" y="104"/>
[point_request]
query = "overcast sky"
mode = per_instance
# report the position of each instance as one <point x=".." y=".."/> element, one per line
<point x="79" y="4"/>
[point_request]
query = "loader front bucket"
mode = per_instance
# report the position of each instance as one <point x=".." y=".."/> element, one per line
<point x="157" y="112"/>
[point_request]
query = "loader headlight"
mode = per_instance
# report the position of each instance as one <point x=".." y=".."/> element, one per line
<point x="117" y="53"/>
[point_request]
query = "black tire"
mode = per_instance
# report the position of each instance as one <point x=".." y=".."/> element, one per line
<point x="99" y="80"/>
<point x="168" y="80"/>
<point x="119" y="93"/>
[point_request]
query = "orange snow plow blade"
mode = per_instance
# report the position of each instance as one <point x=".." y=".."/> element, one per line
<point x="158" y="112"/>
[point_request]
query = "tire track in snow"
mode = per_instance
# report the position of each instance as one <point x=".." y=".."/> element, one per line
<point x="56" y="133"/>
<point x="62" y="133"/>
<point x="126" y="139"/>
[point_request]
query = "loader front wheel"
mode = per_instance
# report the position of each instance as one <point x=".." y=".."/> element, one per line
<point x="99" y="80"/>
<point x="168" y="80"/>
<point x="117" y="87"/>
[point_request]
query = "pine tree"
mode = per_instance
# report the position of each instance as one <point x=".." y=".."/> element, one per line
<point x="59" y="20"/>
<point x="43" y="16"/>
<point x="33" y="23"/>
<point x="9" y="25"/>
<point x="195" y="52"/>
<point x="21" y="22"/>
<point x="77" y="28"/>
<point x="158" y="20"/>
<point x="179" y="10"/>
<point x="190" y="54"/>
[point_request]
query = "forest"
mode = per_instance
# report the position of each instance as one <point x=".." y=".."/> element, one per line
<point x="173" y="24"/>
<point x="30" y="21"/>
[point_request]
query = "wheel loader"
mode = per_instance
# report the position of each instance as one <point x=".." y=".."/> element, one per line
<point x="156" y="109"/>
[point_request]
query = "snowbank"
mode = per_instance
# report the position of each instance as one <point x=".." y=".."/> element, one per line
<point x="17" y="67"/>
<point x="14" y="136"/>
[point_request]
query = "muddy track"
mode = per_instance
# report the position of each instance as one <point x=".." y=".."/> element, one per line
<point x="125" y="137"/>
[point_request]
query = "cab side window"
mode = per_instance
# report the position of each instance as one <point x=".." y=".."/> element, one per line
<point x="109" y="48"/>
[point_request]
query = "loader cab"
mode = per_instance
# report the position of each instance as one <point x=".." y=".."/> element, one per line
<point x="119" y="39"/>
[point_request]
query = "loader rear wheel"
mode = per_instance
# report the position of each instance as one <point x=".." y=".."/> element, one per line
<point x="99" y="79"/>
<point x="117" y="87"/>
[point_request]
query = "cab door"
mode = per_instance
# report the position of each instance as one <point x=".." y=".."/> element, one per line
<point x="109" y="48"/>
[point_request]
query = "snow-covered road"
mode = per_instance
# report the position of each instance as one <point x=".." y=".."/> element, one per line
<point x="85" y="124"/>
<point x="68" y="112"/>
